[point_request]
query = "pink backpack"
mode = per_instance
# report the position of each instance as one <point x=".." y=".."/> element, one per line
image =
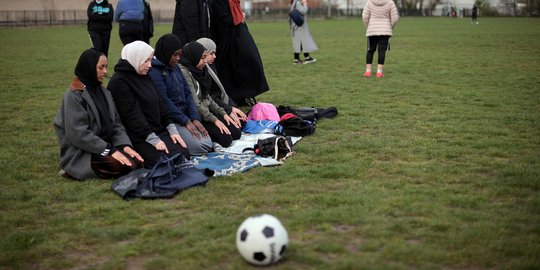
<point x="263" y="111"/>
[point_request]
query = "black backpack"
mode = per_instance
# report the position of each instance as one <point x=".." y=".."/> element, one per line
<point x="295" y="126"/>
<point x="276" y="147"/>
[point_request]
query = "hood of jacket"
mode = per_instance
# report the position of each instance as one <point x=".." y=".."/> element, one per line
<point x="124" y="66"/>
<point x="158" y="64"/>
<point x="380" y="2"/>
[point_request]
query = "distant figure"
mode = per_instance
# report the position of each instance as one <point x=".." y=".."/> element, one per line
<point x="474" y="14"/>
<point x="380" y="18"/>
<point x="93" y="141"/>
<point x="100" y="18"/>
<point x="130" y="14"/>
<point x="301" y="37"/>
<point x="238" y="62"/>
<point x="191" y="20"/>
<point x="148" y="23"/>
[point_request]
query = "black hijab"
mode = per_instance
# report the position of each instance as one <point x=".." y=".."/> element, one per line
<point x="165" y="48"/>
<point x="86" y="71"/>
<point x="86" y="68"/>
<point x="191" y="55"/>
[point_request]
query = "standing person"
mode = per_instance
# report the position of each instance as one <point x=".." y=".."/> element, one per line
<point x="380" y="18"/>
<point x="191" y="20"/>
<point x="217" y="91"/>
<point x="100" y="18"/>
<point x="474" y="14"/>
<point x="239" y="64"/>
<point x="301" y="37"/>
<point x="221" y="127"/>
<point x="129" y="14"/>
<point x="148" y="124"/>
<point x="176" y="95"/>
<point x="148" y="23"/>
<point x="93" y="141"/>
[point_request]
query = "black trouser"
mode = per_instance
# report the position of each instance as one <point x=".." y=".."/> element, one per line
<point x="100" y="41"/>
<point x="382" y="43"/>
<point x="224" y="140"/>
<point x="151" y="155"/>
<point x="108" y="167"/>
<point x="130" y="31"/>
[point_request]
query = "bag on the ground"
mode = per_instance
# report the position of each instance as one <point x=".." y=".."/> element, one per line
<point x="263" y="111"/>
<point x="293" y="125"/>
<point x="169" y="176"/>
<point x="276" y="147"/>
<point x="296" y="17"/>
<point x="308" y="113"/>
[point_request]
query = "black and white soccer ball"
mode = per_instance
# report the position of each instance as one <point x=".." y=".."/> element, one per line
<point x="262" y="239"/>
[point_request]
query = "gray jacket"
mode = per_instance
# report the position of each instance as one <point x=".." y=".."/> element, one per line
<point x="77" y="124"/>
<point x="206" y="106"/>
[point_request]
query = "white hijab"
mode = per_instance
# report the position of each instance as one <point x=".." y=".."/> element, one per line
<point x="136" y="53"/>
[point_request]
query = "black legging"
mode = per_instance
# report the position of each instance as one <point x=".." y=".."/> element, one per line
<point x="224" y="140"/>
<point x="382" y="43"/>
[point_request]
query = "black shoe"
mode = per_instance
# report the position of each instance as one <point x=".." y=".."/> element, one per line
<point x="309" y="59"/>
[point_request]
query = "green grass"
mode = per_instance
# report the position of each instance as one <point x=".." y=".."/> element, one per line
<point x="436" y="166"/>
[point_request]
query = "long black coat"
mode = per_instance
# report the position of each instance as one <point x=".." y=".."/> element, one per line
<point x="190" y="20"/>
<point x="238" y="61"/>
<point x="138" y="103"/>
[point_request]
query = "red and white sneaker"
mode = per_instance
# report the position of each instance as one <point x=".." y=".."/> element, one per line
<point x="367" y="74"/>
<point x="379" y="75"/>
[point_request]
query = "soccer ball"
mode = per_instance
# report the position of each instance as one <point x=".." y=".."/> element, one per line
<point x="261" y="239"/>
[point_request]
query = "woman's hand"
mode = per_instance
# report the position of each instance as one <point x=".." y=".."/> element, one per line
<point x="222" y="127"/>
<point x="133" y="154"/>
<point x="235" y="119"/>
<point x="230" y="121"/>
<point x="121" y="158"/>
<point x="240" y="114"/>
<point x="193" y="130"/>
<point x="177" y="139"/>
<point x="201" y="128"/>
<point x="160" y="146"/>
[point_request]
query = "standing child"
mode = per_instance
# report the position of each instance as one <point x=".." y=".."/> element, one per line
<point x="380" y="18"/>
<point x="100" y="17"/>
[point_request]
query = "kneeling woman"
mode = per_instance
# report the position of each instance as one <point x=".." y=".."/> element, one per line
<point x="93" y="141"/>
<point x="148" y="123"/>
<point x="220" y="126"/>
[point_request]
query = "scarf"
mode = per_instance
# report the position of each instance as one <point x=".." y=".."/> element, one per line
<point x="209" y="45"/>
<point x="236" y="11"/>
<point x="165" y="48"/>
<point x="136" y="53"/>
<point x="191" y="55"/>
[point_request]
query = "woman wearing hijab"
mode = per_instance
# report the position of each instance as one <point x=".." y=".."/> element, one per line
<point x="93" y="141"/>
<point x="176" y="95"/>
<point x="217" y="92"/>
<point x="302" y="41"/>
<point x="221" y="127"/>
<point x="149" y="126"/>
<point x="239" y="64"/>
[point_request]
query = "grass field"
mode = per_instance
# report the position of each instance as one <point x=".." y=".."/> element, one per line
<point x="435" y="166"/>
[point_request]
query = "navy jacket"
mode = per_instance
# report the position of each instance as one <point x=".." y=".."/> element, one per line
<point x="174" y="92"/>
<point x="129" y="10"/>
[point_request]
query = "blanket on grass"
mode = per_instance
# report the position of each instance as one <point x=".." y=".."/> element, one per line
<point x="226" y="161"/>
